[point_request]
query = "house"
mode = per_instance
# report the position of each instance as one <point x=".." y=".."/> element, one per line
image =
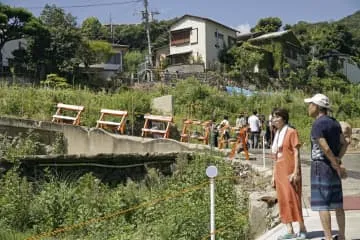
<point x="113" y="66"/>
<point x="9" y="47"/>
<point x="341" y="62"/>
<point x="198" y="40"/>
<point x="290" y="46"/>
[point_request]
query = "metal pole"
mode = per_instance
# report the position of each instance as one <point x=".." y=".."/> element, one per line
<point x="212" y="208"/>
<point x="132" y="115"/>
<point x="147" y="27"/>
<point x="212" y="172"/>
<point x="263" y="145"/>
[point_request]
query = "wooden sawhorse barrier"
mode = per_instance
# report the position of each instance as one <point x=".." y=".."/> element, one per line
<point x="152" y="120"/>
<point x="118" y="126"/>
<point x="189" y="124"/>
<point x="63" y="109"/>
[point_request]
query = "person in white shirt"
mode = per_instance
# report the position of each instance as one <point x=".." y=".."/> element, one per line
<point x="254" y="125"/>
<point x="224" y="127"/>
<point x="241" y="121"/>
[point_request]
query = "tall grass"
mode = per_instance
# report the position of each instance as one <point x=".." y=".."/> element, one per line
<point x="29" y="208"/>
<point x="192" y="100"/>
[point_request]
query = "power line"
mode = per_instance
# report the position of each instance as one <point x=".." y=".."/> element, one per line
<point x="92" y="5"/>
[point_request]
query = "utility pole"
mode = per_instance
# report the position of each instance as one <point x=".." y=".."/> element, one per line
<point x="111" y="30"/>
<point x="146" y="17"/>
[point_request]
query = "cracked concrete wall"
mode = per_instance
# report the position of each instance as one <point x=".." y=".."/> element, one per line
<point x="81" y="140"/>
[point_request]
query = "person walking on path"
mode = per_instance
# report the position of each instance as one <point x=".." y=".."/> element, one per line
<point x="224" y="131"/>
<point x="287" y="174"/>
<point x="328" y="146"/>
<point x="254" y="124"/>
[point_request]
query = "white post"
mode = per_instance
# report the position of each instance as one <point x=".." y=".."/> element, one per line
<point x="211" y="172"/>
<point x="212" y="208"/>
<point x="263" y="145"/>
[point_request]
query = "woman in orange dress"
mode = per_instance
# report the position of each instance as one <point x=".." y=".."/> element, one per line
<point x="287" y="174"/>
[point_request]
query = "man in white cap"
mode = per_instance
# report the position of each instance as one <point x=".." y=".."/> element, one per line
<point x="328" y="146"/>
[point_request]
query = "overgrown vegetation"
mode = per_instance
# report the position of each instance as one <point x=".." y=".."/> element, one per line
<point x="31" y="208"/>
<point x="192" y="100"/>
<point x="56" y="45"/>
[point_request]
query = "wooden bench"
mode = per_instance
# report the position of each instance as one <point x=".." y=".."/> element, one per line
<point x="118" y="126"/>
<point x="189" y="125"/>
<point x="152" y="120"/>
<point x="61" y="115"/>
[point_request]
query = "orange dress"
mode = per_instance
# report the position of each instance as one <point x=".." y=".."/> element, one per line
<point x="289" y="196"/>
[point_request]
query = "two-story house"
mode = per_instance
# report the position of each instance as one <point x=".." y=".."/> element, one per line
<point x="198" y="40"/>
<point x="290" y="46"/>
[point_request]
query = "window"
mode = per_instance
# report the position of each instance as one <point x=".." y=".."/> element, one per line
<point x="231" y="41"/>
<point x="180" y="37"/>
<point x="115" y="59"/>
<point x="219" y="35"/>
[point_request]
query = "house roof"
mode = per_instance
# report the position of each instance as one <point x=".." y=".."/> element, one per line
<point x="332" y="53"/>
<point x="103" y="66"/>
<point x="270" y="35"/>
<point x="288" y="34"/>
<point x="119" y="45"/>
<point x="247" y="36"/>
<point x="205" y="19"/>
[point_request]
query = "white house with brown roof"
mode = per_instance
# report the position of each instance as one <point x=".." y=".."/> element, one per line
<point x="198" y="40"/>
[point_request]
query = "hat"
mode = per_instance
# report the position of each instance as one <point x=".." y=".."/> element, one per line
<point x="319" y="99"/>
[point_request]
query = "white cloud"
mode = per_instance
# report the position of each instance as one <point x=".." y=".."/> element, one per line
<point x="243" y="28"/>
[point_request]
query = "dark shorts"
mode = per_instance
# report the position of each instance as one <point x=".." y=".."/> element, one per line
<point x="326" y="189"/>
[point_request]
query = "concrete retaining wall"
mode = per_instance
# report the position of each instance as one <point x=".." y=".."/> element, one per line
<point x="81" y="140"/>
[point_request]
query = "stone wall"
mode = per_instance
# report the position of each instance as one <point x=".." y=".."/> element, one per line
<point x="355" y="140"/>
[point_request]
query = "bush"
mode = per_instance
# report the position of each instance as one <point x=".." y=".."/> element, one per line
<point x="54" y="81"/>
<point x="164" y="210"/>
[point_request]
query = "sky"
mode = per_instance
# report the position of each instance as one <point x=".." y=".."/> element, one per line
<point x="239" y="14"/>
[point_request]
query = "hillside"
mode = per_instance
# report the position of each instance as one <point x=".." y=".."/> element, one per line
<point x="319" y="38"/>
<point x="353" y="23"/>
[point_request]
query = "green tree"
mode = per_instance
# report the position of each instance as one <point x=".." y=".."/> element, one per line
<point x="14" y="24"/>
<point x="65" y="39"/>
<point x="320" y="38"/>
<point x="159" y="32"/>
<point x="132" y="59"/>
<point x="246" y="57"/>
<point x="53" y="16"/>
<point x="267" y="25"/>
<point x="341" y="39"/>
<point x="94" y="51"/>
<point x="287" y="27"/>
<point x="317" y="68"/>
<point x="36" y="57"/>
<point x="54" y="81"/>
<point x="92" y="29"/>
<point x="132" y="35"/>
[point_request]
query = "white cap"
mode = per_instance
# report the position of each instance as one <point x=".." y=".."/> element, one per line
<point x="320" y="100"/>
